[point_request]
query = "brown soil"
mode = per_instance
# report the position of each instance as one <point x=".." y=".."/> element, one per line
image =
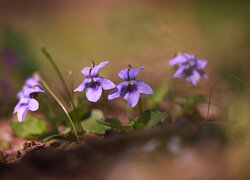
<point x="131" y="155"/>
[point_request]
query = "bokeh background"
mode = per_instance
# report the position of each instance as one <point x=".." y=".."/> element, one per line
<point x="142" y="33"/>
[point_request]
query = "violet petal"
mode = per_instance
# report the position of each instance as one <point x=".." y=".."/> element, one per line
<point x="33" y="104"/>
<point x="132" y="97"/>
<point x="179" y="72"/>
<point x="17" y="107"/>
<point x="106" y="83"/>
<point x="194" y="78"/>
<point x="179" y="59"/>
<point x="85" y="71"/>
<point x="94" y="94"/>
<point x="95" y="69"/>
<point x="143" y="87"/>
<point x="22" y="112"/>
<point x="81" y="87"/>
<point x="201" y="64"/>
<point x="117" y="92"/>
<point x="29" y="91"/>
<point x="134" y="72"/>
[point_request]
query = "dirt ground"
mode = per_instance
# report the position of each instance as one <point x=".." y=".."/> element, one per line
<point x="176" y="151"/>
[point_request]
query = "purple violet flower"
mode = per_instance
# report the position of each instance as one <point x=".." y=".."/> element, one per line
<point x="94" y="83"/>
<point x="23" y="106"/>
<point x="190" y="67"/>
<point x="31" y="87"/>
<point x="27" y="97"/>
<point x="130" y="88"/>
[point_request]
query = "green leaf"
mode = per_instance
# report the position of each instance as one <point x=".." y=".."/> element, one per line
<point x="189" y="103"/>
<point x="116" y="124"/>
<point x="81" y="110"/>
<point x="51" y="135"/>
<point x="90" y="124"/>
<point x="30" y="128"/>
<point x="148" y="119"/>
<point x="158" y="96"/>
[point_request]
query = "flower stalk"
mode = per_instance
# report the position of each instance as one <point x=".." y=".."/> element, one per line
<point x="50" y="106"/>
<point x="46" y="53"/>
<point x="61" y="104"/>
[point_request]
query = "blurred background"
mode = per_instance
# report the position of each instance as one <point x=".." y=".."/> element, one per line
<point x="142" y="33"/>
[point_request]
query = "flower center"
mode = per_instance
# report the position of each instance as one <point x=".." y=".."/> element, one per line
<point x="129" y="83"/>
<point x="24" y="101"/>
<point x="130" y="86"/>
<point x="190" y="64"/>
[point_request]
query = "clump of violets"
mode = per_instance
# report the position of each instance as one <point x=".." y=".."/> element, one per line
<point x="130" y="88"/>
<point x="27" y="96"/>
<point x="93" y="83"/>
<point x="190" y="67"/>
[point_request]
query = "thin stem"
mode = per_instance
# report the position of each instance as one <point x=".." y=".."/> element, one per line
<point x="236" y="78"/>
<point x="214" y="86"/>
<point x="174" y="90"/>
<point x="52" y="122"/>
<point x="105" y="104"/>
<point x="60" y="103"/>
<point x="140" y="105"/>
<point x="46" y="53"/>
<point x="210" y="97"/>
<point x="72" y="88"/>
<point x="172" y="99"/>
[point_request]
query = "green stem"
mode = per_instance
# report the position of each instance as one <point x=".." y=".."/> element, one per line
<point x="210" y="97"/>
<point x="52" y="122"/>
<point x="46" y="53"/>
<point x="140" y="105"/>
<point x="105" y="104"/>
<point x="172" y="99"/>
<point x="71" y="85"/>
<point x="60" y="103"/>
<point x="72" y="88"/>
<point x="174" y="90"/>
<point x="214" y="86"/>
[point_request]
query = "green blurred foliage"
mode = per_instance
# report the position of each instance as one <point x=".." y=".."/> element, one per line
<point x="30" y="128"/>
<point x="90" y="124"/>
<point x="117" y="125"/>
<point x="239" y="118"/>
<point x="158" y="96"/>
<point x="224" y="29"/>
<point x="148" y="119"/>
<point x="19" y="44"/>
<point x="51" y="135"/>
<point x="17" y="62"/>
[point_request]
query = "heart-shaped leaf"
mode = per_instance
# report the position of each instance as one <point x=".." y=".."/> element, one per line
<point x="148" y="119"/>
<point x="30" y="128"/>
<point x="90" y="124"/>
<point x="116" y="124"/>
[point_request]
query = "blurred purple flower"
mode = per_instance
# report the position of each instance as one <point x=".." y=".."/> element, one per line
<point x="130" y="88"/>
<point x="10" y="58"/>
<point x="24" y="105"/>
<point x="30" y="88"/>
<point x="94" y="83"/>
<point x="189" y="66"/>
<point x="27" y="97"/>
